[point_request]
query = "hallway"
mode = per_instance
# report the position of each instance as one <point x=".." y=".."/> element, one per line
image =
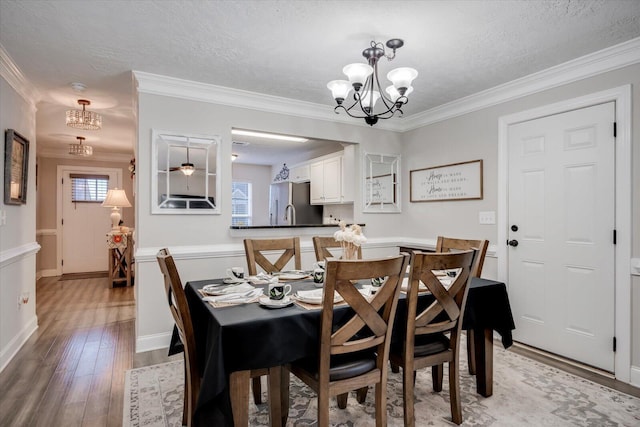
<point x="71" y="371"/>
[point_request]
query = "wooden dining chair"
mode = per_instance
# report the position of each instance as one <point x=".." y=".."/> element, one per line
<point x="448" y="244"/>
<point x="255" y="249"/>
<point x="349" y="358"/>
<point x="322" y="244"/>
<point x="426" y="343"/>
<point x="182" y="317"/>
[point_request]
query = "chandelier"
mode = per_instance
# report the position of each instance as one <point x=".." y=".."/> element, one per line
<point x="83" y="119"/>
<point x="79" y="149"/>
<point x="364" y="80"/>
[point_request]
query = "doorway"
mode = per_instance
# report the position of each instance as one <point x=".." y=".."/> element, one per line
<point x="619" y="262"/>
<point x="82" y="226"/>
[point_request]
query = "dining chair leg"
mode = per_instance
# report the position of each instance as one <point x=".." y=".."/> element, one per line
<point x="256" y="387"/>
<point x="381" y="404"/>
<point x="471" y="352"/>
<point x="239" y="389"/>
<point x="437" y="373"/>
<point x="185" y="404"/>
<point x="278" y="396"/>
<point x="323" y="407"/>
<point x="361" y="394"/>
<point x="342" y="400"/>
<point x="394" y="367"/>
<point x="454" y="392"/>
<point x="407" y="396"/>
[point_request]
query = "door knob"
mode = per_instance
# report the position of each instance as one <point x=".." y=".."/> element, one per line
<point x="514" y="228"/>
<point x="513" y="243"/>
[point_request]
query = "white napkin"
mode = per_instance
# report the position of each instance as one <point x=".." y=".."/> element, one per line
<point x="237" y="297"/>
<point x="260" y="279"/>
<point x="231" y="289"/>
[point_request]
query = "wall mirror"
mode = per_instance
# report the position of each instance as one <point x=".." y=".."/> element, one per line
<point x="381" y="186"/>
<point x="184" y="174"/>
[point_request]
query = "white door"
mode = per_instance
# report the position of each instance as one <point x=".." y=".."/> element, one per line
<point x="84" y="229"/>
<point x="561" y="213"/>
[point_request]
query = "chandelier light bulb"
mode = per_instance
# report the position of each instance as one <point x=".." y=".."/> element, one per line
<point x="357" y="74"/>
<point x="369" y="101"/>
<point x="402" y="78"/>
<point x="394" y="94"/>
<point x="339" y="89"/>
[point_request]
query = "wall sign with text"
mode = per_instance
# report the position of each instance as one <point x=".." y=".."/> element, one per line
<point x="457" y="181"/>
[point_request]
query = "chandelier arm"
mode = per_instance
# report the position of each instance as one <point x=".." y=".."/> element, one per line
<point x="386" y="101"/>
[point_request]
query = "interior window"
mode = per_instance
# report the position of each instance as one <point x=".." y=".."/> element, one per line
<point x="89" y="188"/>
<point x="241" y="203"/>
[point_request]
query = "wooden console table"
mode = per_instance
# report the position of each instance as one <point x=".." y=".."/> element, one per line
<point x="120" y="248"/>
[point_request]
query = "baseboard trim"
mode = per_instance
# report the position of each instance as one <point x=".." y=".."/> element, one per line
<point x="635" y="376"/>
<point x="153" y="342"/>
<point x="48" y="273"/>
<point x="9" y="352"/>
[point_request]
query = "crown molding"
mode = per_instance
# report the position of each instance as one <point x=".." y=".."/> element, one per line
<point x="609" y="59"/>
<point x="156" y="84"/>
<point x="602" y="61"/>
<point x="12" y="74"/>
<point x="96" y="157"/>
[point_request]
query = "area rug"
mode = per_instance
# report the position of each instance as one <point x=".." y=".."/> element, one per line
<point x="525" y="393"/>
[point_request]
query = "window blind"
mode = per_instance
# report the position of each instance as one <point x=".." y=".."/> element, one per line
<point x="89" y="188"/>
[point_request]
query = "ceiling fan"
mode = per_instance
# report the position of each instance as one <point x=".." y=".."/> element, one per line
<point x="186" y="168"/>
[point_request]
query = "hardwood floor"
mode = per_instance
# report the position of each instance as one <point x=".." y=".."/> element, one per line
<point x="71" y="370"/>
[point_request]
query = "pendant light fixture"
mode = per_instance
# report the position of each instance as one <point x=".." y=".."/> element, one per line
<point x="187" y="168"/>
<point x="364" y="80"/>
<point x="79" y="149"/>
<point x="83" y="119"/>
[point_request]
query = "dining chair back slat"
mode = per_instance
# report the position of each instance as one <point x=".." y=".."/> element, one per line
<point x="255" y="249"/>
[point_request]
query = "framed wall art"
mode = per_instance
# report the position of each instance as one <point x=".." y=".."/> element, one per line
<point x="16" y="163"/>
<point x="456" y="181"/>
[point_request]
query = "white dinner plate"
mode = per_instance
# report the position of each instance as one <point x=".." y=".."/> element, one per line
<point x="292" y="275"/>
<point x="315" y="297"/>
<point x="270" y="303"/>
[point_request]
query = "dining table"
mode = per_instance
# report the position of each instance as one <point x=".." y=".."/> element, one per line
<point x="232" y="341"/>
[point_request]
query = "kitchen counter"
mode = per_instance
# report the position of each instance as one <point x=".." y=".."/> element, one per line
<point x="258" y="227"/>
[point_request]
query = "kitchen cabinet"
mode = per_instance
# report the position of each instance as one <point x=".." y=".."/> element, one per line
<point x="326" y="181"/>
<point x="299" y="174"/>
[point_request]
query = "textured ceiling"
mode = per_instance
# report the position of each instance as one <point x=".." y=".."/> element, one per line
<point x="288" y="48"/>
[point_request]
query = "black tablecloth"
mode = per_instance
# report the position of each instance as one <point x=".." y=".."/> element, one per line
<point x="253" y="337"/>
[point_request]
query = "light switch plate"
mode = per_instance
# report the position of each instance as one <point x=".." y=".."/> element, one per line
<point x="487" y="217"/>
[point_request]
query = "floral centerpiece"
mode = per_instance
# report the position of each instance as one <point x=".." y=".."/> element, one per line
<point x="350" y="238"/>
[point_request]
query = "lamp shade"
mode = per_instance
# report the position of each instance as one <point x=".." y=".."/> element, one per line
<point x="116" y="198"/>
<point x="368" y="101"/>
<point x="402" y="77"/>
<point x="357" y="74"/>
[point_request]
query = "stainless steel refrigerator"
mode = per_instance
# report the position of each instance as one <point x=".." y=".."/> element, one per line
<point x="298" y="195"/>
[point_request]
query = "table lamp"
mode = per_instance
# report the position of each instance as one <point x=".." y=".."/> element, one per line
<point x="116" y="199"/>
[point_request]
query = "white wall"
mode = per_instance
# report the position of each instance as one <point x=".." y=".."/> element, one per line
<point x="18" y="245"/>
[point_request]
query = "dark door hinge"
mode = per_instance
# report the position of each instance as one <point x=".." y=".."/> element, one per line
<point x="615" y="344"/>
<point x="61" y="262"/>
<point x="62" y="220"/>
<point x="615" y="129"/>
<point x="615" y="237"/>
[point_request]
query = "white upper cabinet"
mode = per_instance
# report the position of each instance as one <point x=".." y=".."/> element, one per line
<point x="327" y="181"/>
<point x="299" y="173"/>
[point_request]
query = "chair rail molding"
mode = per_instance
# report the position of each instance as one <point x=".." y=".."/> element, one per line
<point x="18" y="253"/>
